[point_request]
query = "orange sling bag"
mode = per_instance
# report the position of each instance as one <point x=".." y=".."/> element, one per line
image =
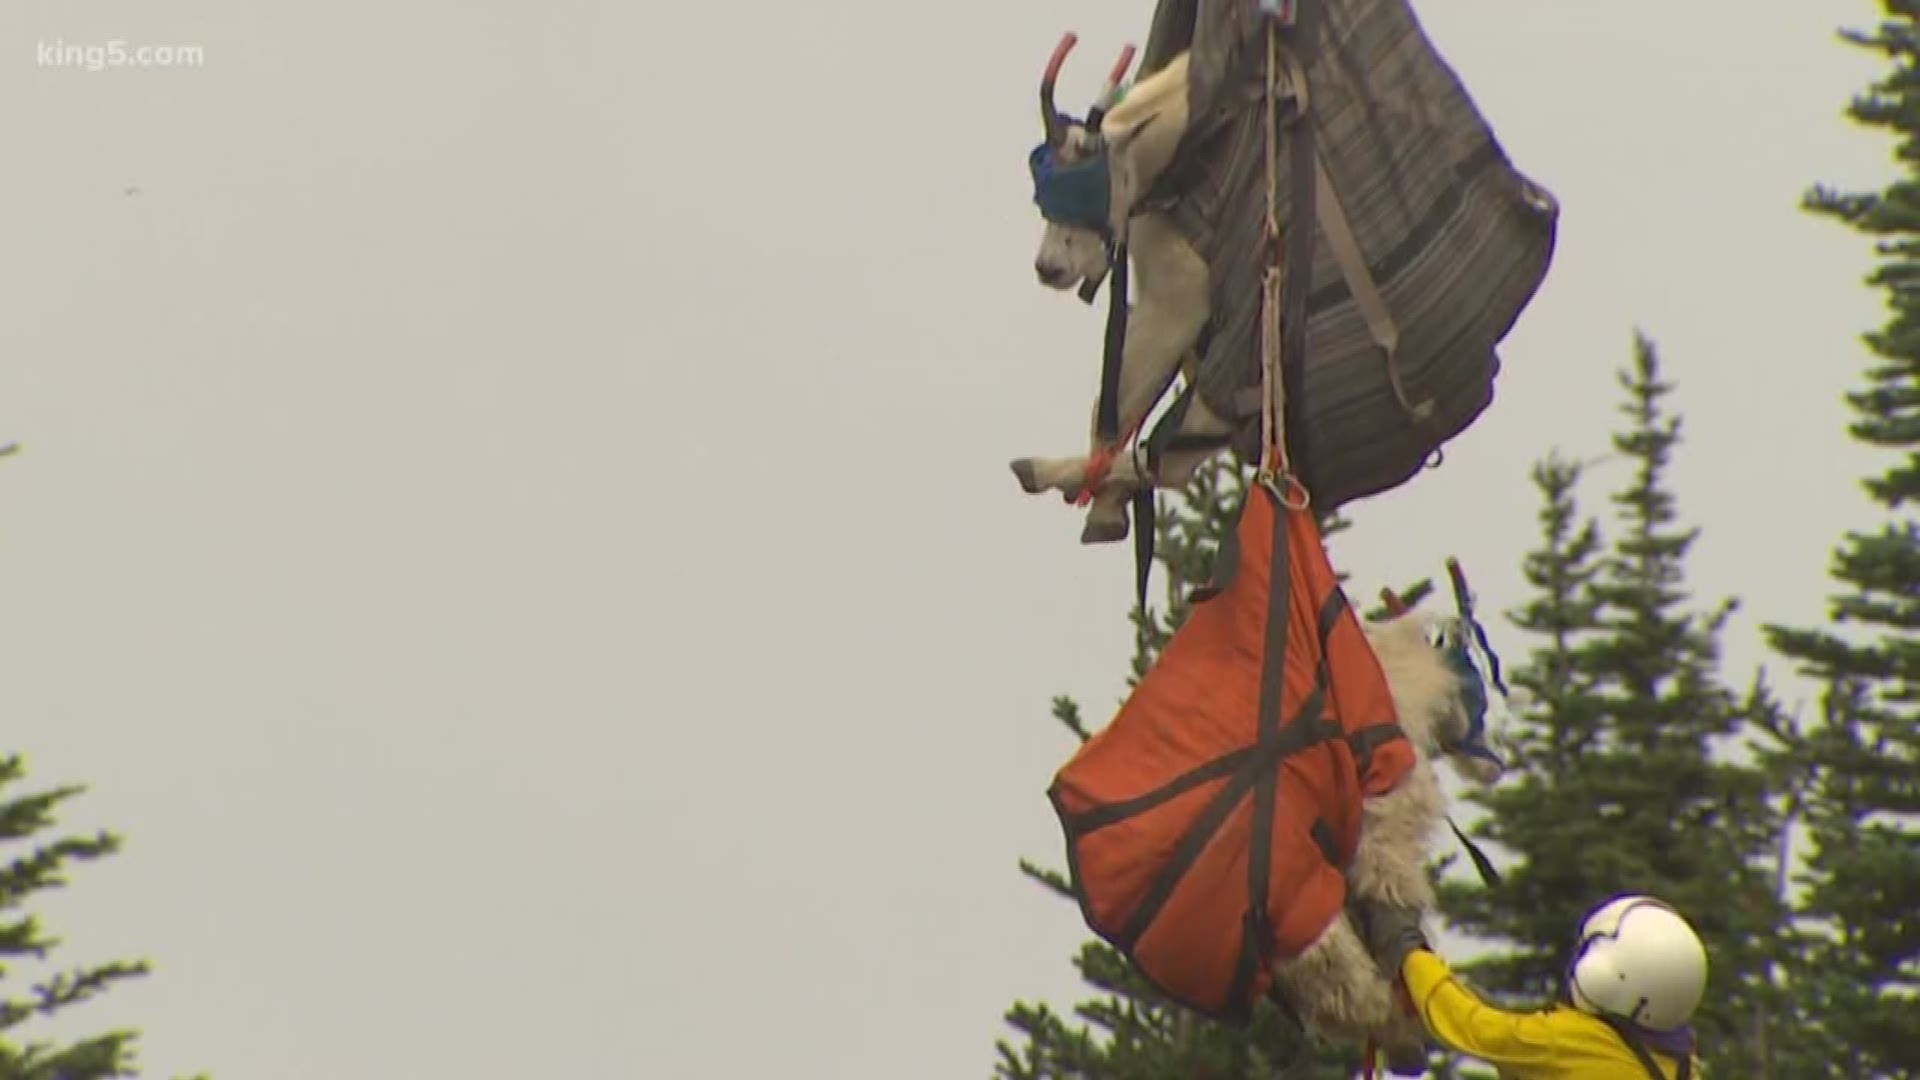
<point x="1208" y="825"/>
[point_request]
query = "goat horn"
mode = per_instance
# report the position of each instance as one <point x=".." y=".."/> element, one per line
<point x="1111" y="91"/>
<point x="1049" y="116"/>
<point x="1118" y="74"/>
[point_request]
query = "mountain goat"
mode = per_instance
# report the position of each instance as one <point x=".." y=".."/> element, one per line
<point x="1335" y="987"/>
<point x="1088" y="176"/>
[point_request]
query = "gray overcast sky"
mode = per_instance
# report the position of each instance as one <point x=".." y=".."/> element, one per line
<point x="514" y="521"/>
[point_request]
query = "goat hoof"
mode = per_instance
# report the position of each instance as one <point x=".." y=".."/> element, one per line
<point x="1023" y="470"/>
<point x="1104" y="530"/>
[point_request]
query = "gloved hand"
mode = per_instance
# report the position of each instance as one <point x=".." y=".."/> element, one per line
<point x="1391" y="932"/>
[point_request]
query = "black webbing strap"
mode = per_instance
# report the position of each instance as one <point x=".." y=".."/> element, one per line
<point x="1145" y="510"/>
<point x="1165" y="437"/>
<point x="1257" y="935"/>
<point x="1145" y="521"/>
<point x="1107" y="422"/>
<point x="1489" y="876"/>
<point x="1307" y="728"/>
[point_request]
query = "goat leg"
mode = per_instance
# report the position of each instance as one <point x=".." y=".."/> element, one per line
<point x="1162" y="328"/>
<point x="1201" y="436"/>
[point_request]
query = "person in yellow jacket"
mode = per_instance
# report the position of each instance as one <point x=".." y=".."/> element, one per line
<point x="1637" y="974"/>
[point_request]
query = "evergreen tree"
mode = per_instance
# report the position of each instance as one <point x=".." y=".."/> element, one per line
<point x="1617" y="776"/>
<point x="1805" y="989"/>
<point x="1780" y="1005"/>
<point x="1130" y="1032"/>
<point x="24" y="819"/>
<point x="1859" y="970"/>
<point x="1544" y="750"/>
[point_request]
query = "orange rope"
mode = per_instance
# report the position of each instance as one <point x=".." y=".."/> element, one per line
<point x="1100" y="464"/>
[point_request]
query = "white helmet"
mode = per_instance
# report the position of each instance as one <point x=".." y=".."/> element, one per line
<point x="1638" y="960"/>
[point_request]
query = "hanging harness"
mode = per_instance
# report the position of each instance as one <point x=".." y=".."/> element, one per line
<point x="1267" y="692"/>
<point x="1210" y="826"/>
<point x="1432" y="243"/>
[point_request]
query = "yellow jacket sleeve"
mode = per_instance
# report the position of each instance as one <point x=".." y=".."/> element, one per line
<point x="1456" y="1017"/>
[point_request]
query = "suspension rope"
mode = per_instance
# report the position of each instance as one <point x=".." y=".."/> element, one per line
<point x="1276" y="470"/>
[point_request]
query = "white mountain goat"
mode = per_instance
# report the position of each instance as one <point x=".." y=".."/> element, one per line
<point x="1335" y="987"/>
<point x="1088" y="176"/>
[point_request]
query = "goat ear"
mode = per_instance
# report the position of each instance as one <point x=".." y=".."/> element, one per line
<point x="1118" y="139"/>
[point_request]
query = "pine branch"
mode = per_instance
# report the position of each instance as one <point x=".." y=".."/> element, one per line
<point x="1067" y="711"/>
<point x="1052" y="879"/>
